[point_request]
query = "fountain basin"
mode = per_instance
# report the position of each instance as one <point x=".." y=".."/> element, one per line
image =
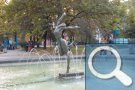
<point x="71" y="75"/>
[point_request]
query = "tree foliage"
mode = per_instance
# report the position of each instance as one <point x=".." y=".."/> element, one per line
<point x="36" y="16"/>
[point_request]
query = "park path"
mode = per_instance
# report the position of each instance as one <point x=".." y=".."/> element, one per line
<point x="12" y="55"/>
<point x="18" y="55"/>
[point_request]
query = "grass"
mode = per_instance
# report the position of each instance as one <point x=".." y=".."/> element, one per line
<point x="50" y="50"/>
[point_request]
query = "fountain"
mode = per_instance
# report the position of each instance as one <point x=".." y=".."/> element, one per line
<point x="34" y="70"/>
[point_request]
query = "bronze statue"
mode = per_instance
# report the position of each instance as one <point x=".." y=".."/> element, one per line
<point x="62" y="43"/>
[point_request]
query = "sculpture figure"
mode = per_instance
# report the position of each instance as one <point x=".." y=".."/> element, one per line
<point x="62" y="43"/>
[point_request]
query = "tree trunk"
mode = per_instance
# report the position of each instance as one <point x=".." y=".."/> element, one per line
<point x="45" y="37"/>
<point x="37" y="42"/>
<point x="45" y="43"/>
<point x="15" y="39"/>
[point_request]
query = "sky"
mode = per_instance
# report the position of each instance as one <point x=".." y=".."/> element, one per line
<point x="7" y="1"/>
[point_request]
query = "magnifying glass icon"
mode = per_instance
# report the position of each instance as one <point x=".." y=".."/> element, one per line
<point x="121" y="76"/>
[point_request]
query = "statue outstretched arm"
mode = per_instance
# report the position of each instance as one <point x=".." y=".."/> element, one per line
<point x="60" y="19"/>
<point x="72" y="27"/>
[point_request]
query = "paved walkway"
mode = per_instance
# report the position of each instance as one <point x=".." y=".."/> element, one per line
<point x="12" y="52"/>
<point x="12" y="55"/>
<point x="17" y="56"/>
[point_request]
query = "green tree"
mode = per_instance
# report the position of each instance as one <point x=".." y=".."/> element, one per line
<point x="35" y="16"/>
<point x="31" y="16"/>
<point x="130" y="20"/>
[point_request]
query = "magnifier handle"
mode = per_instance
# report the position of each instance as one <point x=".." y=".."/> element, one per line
<point x="125" y="79"/>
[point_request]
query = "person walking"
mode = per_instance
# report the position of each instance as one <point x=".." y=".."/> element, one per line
<point x="104" y="40"/>
<point x="10" y="44"/>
